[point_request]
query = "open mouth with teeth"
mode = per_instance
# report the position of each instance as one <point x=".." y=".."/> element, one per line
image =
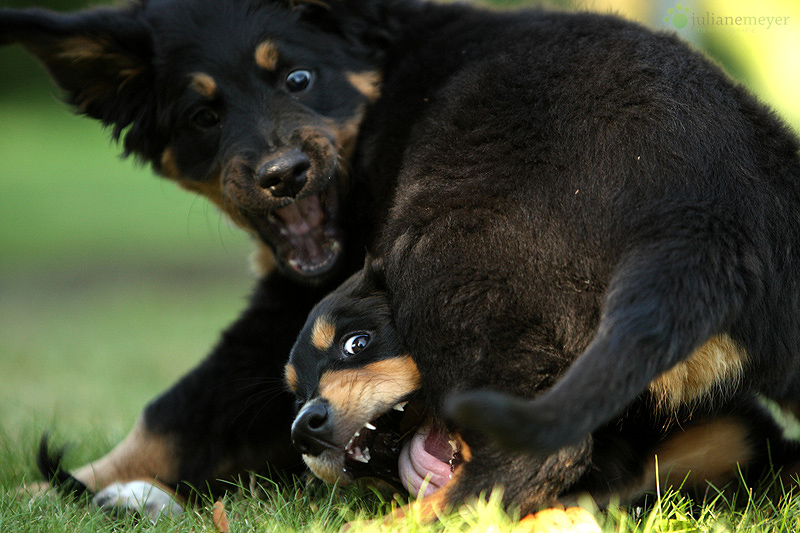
<point x="305" y="234"/>
<point x="404" y="448"/>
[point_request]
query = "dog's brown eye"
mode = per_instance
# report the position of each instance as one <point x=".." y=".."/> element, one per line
<point x="355" y="343"/>
<point x="298" y="80"/>
<point x="205" y="118"/>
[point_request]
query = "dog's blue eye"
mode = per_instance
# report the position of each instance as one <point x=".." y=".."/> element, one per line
<point x="205" y="118"/>
<point x="355" y="343"/>
<point x="298" y="80"/>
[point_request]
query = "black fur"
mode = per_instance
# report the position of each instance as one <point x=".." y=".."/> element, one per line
<point x="615" y="462"/>
<point x="577" y="188"/>
<point x="611" y="197"/>
<point x="541" y="186"/>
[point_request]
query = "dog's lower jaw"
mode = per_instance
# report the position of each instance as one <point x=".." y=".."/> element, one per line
<point x="329" y="467"/>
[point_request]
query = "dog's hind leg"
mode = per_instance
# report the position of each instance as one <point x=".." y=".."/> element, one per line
<point x="665" y="300"/>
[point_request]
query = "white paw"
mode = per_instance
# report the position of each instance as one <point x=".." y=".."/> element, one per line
<point x="145" y="499"/>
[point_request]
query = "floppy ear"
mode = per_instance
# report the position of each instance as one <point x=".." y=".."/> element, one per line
<point x="101" y="58"/>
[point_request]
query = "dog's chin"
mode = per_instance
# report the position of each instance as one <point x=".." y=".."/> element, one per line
<point x="329" y="467"/>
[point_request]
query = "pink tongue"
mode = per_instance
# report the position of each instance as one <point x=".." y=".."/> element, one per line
<point x="437" y="443"/>
<point x="426" y="458"/>
<point x="303" y="228"/>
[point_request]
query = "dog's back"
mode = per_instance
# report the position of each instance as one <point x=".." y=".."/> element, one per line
<point x="642" y="206"/>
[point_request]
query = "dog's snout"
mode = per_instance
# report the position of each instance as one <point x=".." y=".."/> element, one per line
<point x="285" y="174"/>
<point x="312" y="430"/>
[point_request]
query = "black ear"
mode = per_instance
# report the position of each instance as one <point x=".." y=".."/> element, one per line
<point x="374" y="273"/>
<point x="101" y="58"/>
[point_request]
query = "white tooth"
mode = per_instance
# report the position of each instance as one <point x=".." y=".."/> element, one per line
<point x="452" y="444"/>
<point x="358" y="456"/>
<point x="366" y="455"/>
<point x="400" y="406"/>
<point x="370" y="426"/>
<point x="350" y="442"/>
<point x="356" y="434"/>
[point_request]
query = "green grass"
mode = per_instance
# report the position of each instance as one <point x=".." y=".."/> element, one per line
<point x="319" y="508"/>
<point x="112" y="284"/>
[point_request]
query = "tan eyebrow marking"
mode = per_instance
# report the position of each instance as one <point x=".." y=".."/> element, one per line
<point x="204" y="84"/>
<point x="322" y="334"/>
<point x="267" y="55"/>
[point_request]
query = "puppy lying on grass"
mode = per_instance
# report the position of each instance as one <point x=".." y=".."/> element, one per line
<point x="363" y="412"/>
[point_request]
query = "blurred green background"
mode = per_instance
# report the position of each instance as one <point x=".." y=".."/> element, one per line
<point x="113" y="282"/>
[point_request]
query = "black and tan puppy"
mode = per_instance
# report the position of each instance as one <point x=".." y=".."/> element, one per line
<point x="363" y="413"/>
<point x="256" y="105"/>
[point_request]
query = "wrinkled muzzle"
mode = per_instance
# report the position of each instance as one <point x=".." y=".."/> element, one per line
<point x="291" y="198"/>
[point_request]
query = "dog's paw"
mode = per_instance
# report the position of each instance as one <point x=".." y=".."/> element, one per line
<point x="139" y="497"/>
<point x="570" y="520"/>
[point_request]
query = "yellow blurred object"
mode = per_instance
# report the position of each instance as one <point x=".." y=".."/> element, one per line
<point x="570" y="520"/>
<point x="764" y="42"/>
<point x="771" y="54"/>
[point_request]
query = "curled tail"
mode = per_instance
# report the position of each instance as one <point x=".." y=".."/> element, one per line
<point x="49" y="463"/>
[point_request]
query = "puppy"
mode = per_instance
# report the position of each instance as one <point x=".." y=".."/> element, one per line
<point x="257" y="106"/>
<point x="363" y="413"/>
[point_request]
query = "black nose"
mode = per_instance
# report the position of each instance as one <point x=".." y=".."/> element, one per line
<point x="312" y="430"/>
<point x="285" y="174"/>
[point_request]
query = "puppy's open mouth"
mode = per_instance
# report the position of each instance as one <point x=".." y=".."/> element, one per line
<point x="304" y="233"/>
<point x="404" y="448"/>
<point x="307" y="238"/>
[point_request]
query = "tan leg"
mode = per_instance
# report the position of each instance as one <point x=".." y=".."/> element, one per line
<point x="140" y="456"/>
